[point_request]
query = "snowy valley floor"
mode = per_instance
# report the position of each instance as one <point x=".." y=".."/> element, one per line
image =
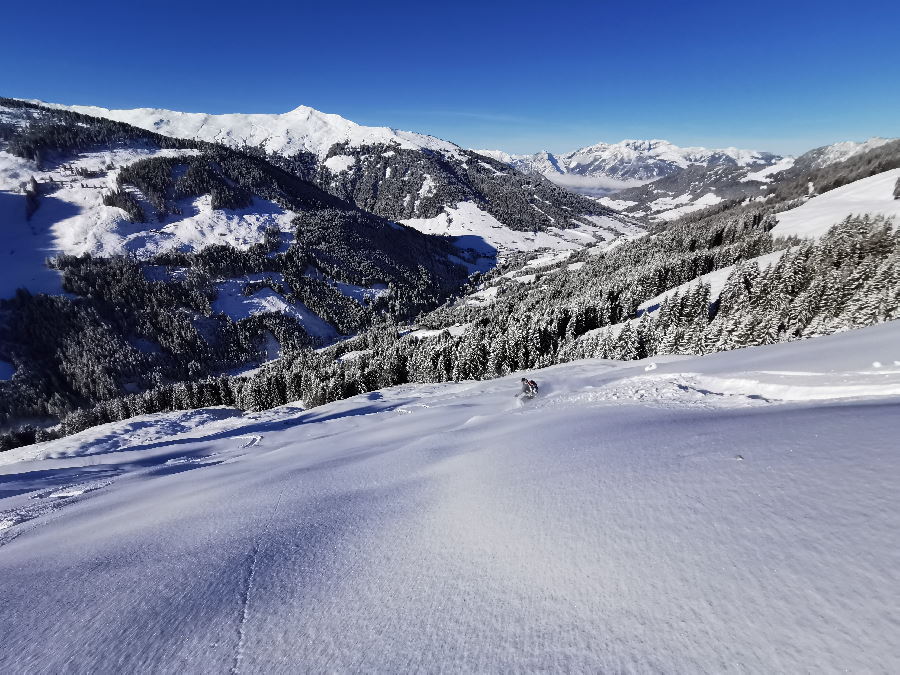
<point x="732" y="513"/>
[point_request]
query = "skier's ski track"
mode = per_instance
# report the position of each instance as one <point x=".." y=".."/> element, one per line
<point x="248" y="585"/>
<point x="250" y="440"/>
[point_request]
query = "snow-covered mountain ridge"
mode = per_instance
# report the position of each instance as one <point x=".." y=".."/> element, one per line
<point x="658" y="181"/>
<point x="838" y="152"/>
<point x="670" y="515"/>
<point x="302" y="129"/>
<point x="401" y="175"/>
<point x="630" y="162"/>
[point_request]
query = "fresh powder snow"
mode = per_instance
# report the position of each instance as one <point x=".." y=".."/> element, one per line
<point x="728" y="513"/>
<point x="872" y="196"/>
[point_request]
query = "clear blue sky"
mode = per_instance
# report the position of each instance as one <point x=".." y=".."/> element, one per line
<point x="782" y="76"/>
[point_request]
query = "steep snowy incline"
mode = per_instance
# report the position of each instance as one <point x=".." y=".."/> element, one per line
<point x="872" y="196"/>
<point x="676" y="516"/>
<point x="303" y="129"/>
<point x="474" y="228"/>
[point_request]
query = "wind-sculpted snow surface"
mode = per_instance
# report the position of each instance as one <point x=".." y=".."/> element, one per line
<point x="729" y="513"/>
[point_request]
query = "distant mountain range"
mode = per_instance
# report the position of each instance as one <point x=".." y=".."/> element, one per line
<point x="657" y="180"/>
<point x="606" y="167"/>
<point x="420" y="179"/>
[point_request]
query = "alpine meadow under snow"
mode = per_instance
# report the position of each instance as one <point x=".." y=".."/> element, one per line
<point x="258" y="408"/>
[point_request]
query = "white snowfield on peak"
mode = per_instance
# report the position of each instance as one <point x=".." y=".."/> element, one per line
<point x="729" y="513"/>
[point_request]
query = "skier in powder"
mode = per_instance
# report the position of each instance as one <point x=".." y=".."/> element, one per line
<point x="529" y="388"/>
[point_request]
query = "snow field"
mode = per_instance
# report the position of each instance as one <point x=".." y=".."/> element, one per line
<point x="708" y="199"/>
<point x="479" y="230"/>
<point x="232" y="302"/>
<point x="453" y="527"/>
<point x="872" y="196"/>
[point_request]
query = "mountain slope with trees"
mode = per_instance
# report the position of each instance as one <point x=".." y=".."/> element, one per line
<point x="529" y="312"/>
<point x="144" y="316"/>
<point x="395" y="174"/>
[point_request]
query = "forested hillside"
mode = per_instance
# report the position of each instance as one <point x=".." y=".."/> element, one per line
<point x="151" y="313"/>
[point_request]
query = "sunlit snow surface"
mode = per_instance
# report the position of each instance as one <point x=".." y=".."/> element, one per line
<point x="479" y="230"/>
<point x="673" y="516"/>
<point x="71" y="218"/>
<point x="230" y="300"/>
<point x="873" y="195"/>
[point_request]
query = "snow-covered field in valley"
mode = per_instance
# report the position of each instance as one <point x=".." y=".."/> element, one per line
<point x="730" y="513"/>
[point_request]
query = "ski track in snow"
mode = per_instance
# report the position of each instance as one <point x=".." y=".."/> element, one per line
<point x="251" y="573"/>
<point x="729" y="513"/>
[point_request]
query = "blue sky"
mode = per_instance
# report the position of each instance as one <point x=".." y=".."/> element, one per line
<point x="523" y="76"/>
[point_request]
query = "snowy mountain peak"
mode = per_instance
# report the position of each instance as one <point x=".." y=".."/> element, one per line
<point x="303" y="129"/>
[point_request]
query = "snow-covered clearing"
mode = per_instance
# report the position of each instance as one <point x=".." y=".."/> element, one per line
<point x="716" y="280"/>
<point x="708" y="199"/>
<point x="71" y="218"/>
<point x="617" y="204"/>
<point x="339" y="163"/>
<point x="763" y="175"/>
<point x="485" y="296"/>
<point x="873" y="195"/>
<point x="730" y="513"/>
<point x="479" y="230"/>
<point x="361" y="294"/>
<point x="232" y="301"/>
<point x="455" y="330"/>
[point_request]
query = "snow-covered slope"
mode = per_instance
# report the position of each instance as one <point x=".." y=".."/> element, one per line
<point x="872" y="196"/>
<point x="474" y="228"/>
<point x="690" y="189"/>
<point x="736" y="512"/>
<point x="303" y="129"/>
<point x="73" y="219"/>
<point x="716" y="281"/>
